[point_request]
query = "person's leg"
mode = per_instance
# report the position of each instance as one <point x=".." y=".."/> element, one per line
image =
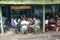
<point x="57" y="29"/>
<point x="54" y="28"/>
<point x="46" y="27"/>
<point x="16" y="29"/>
<point x="30" y="29"/>
<point x="49" y="27"/>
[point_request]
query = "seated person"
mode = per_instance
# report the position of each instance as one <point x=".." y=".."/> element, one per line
<point x="14" y="24"/>
<point x="24" y="25"/>
<point x="46" y="23"/>
<point x="37" y="25"/>
<point x="31" y="25"/>
<point x="58" y="23"/>
<point x="52" y="24"/>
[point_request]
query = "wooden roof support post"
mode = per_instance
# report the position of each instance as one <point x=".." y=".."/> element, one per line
<point x="2" y="30"/>
<point x="43" y="17"/>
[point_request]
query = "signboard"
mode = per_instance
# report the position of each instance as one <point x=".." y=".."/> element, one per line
<point x="20" y="7"/>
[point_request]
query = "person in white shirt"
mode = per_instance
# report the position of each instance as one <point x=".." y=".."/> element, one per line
<point x="24" y="25"/>
<point x="46" y="21"/>
<point x="37" y="23"/>
<point x="19" y="20"/>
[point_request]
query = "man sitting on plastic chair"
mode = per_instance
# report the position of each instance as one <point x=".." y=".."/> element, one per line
<point x="37" y="26"/>
<point x="14" y="25"/>
<point x="24" y="26"/>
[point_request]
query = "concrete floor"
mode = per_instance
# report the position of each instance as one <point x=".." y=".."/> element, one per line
<point x="41" y="36"/>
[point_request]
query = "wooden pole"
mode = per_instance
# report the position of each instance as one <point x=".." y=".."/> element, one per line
<point x="43" y="18"/>
<point x="2" y="30"/>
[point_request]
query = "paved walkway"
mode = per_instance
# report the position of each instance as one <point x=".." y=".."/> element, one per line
<point x="41" y="36"/>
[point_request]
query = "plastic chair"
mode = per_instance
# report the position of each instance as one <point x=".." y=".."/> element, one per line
<point x="57" y="29"/>
<point x="24" y="29"/>
<point x="37" y="29"/>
